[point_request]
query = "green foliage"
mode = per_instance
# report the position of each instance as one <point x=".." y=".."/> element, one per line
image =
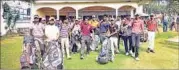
<point x="11" y="16"/>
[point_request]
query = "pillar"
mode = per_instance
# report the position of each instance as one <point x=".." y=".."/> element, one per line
<point x="77" y="15"/>
<point x="57" y="12"/>
<point x="132" y="13"/>
<point x="116" y="12"/>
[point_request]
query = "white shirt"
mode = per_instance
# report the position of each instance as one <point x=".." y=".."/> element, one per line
<point x="37" y="29"/>
<point x="76" y="28"/>
<point x="118" y="23"/>
<point x="51" y="32"/>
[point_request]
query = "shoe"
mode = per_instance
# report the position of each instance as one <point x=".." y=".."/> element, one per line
<point x="69" y="58"/>
<point x="127" y="53"/>
<point x="137" y="59"/>
<point x="148" y="50"/>
<point x="152" y="51"/>
<point x="82" y="57"/>
<point x="133" y="55"/>
<point x="131" y="52"/>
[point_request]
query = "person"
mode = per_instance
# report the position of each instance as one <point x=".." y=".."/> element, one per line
<point x="51" y="31"/>
<point x="165" y="22"/>
<point x="113" y="37"/>
<point x="76" y="31"/>
<point x="177" y="23"/>
<point x="64" y="35"/>
<point x="118" y="22"/>
<point x="95" y="32"/>
<point x="174" y="24"/>
<point x="37" y="31"/>
<point x="104" y="28"/>
<point x="126" y="35"/>
<point x="43" y="21"/>
<point x="86" y="40"/>
<point x="137" y="28"/>
<point x="152" y="27"/>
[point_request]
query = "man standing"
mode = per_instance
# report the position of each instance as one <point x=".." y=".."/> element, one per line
<point x="137" y="29"/>
<point x="152" y="26"/>
<point x="104" y="28"/>
<point x="113" y="37"/>
<point x="118" y="22"/>
<point x="76" y="35"/>
<point x="37" y="31"/>
<point x="86" y="40"/>
<point x="51" y="31"/>
<point x="64" y="35"/>
<point x="95" y="32"/>
<point x="165" y="22"/>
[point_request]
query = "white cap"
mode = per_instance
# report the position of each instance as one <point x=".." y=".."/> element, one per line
<point x="52" y="18"/>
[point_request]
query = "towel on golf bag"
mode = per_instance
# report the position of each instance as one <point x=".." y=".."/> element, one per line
<point x="75" y="42"/>
<point x="105" y="54"/>
<point x="95" y="42"/>
<point x="24" y="61"/>
<point x="53" y="56"/>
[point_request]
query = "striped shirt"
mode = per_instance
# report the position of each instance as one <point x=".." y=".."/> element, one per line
<point x="64" y="31"/>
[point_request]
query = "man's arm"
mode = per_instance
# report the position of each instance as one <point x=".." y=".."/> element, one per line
<point x="157" y="28"/>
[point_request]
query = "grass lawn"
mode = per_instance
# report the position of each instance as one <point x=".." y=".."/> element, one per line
<point x="166" y="56"/>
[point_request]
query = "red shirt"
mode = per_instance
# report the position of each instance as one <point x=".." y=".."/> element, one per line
<point x="151" y="25"/>
<point x="137" y="26"/>
<point x="85" y="29"/>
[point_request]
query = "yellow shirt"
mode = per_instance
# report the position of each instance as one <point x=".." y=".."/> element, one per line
<point x="93" y="23"/>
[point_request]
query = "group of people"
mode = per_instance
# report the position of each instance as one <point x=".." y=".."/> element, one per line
<point x="84" y="33"/>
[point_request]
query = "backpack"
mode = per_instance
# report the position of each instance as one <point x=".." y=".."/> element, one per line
<point x="53" y="58"/>
<point x="105" y="53"/>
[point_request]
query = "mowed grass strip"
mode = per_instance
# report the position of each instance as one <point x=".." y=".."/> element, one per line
<point x="166" y="56"/>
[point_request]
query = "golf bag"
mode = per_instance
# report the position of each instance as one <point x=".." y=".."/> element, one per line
<point x="76" y="41"/>
<point x="53" y="57"/>
<point x="24" y="60"/>
<point x="27" y="54"/>
<point x="105" y="55"/>
<point x="36" y="57"/>
<point x="144" y="36"/>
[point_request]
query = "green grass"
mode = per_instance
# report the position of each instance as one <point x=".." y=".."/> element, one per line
<point x="166" y="56"/>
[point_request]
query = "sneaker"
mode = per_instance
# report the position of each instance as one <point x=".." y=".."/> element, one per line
<point x="82" y="57"/>
<point x="133" y="55"/>
<point x="152" y="51"/>
<point x="137" y="59"/>
<point x="148" y="50"/>
<point x="69" y="58"/>
<point x="130" y="52"/>
<point x="127" y="53"/>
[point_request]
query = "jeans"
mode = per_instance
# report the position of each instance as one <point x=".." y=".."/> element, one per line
<point x="165" y="26"/>
<point x="128" y="43"/>
<point x="119" y="37"/>
<point x="151" y="39"/>
<point x="135" y="43"/>
<point x="86" y="42"/>
<point x="65" y="43"/>
<point x="75" y="44"/>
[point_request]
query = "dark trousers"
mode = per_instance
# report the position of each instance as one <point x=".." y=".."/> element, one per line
<point x="165" y="26"/>
<point x="119" y="37"/>
<point x="128" y="43"/>
<point x="135" y="43"/>
<point x="86" y="41"/>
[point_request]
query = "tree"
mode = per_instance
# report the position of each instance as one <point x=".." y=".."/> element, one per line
<point x="10" y="17"/>
<point x="173" y="6"/>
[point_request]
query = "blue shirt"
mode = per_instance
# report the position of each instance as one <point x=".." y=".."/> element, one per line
<point x="104" y="26"/>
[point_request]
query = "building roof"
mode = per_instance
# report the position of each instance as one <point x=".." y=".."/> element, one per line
<point x="89" y="0"/>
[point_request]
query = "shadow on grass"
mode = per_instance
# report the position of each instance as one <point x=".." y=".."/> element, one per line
<point x="168" y="44"/>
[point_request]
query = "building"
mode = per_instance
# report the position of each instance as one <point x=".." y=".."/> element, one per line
<point x="81" y="8"/>
<point x="16" y="6"/>
<point x="72" y="8"/>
